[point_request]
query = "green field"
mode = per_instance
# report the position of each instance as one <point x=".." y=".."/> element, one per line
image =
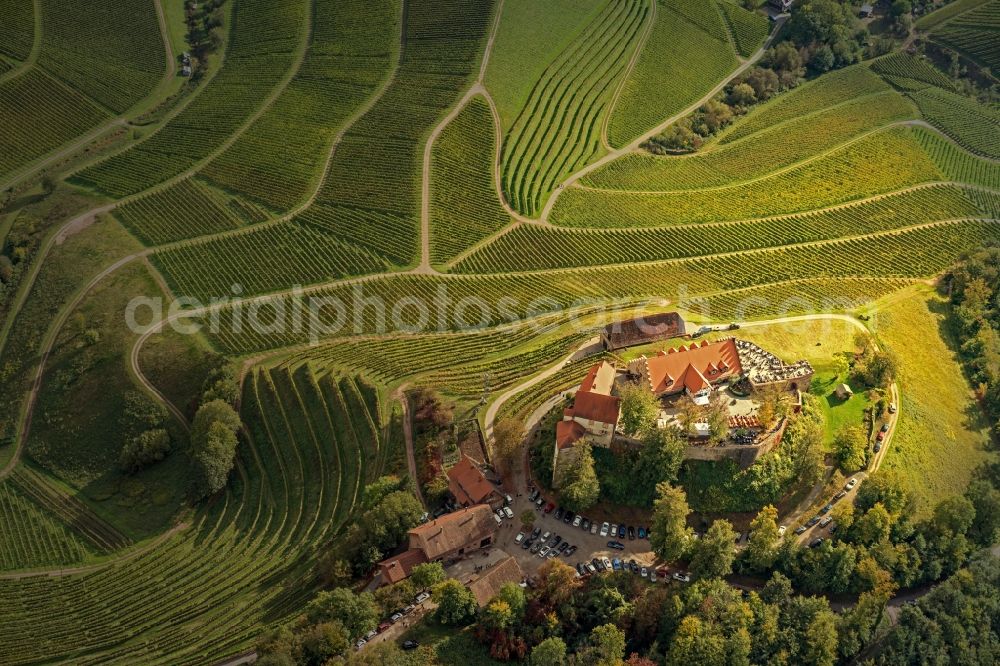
<point x="941" y="437"/>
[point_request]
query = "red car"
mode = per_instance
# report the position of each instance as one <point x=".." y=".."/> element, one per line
<point x="550" y="507"/>
<point x="880" y="436"/>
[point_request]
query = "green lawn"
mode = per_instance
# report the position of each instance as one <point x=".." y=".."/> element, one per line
<point x="531" y="34"/>
<point x="839" y="413"/>
<point x="941" y="436"/>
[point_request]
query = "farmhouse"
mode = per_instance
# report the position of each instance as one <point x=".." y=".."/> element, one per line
<point x="449" y="536"/>
<point x="469" y="486"/>
<point x="642" y="330"/>
<point x="484" y="586"/>
<point x="594" y="414"/>
<point x="696" y="369"/>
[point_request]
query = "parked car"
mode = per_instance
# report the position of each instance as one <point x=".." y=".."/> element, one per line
<point x="616" y="545"/>
<point x="395" y="617"/>
<point x="527" y="543"/>
<point x="549" y="507"/>
<point x="360" y="644"/>
<point x="607" y="562"/>
<point x="598" y="564"/>
<point x="812" y="521"/>
<point x="850" y="484"/>
<point x="631" y="533"/>
<point x="580" y="570"/>
<point x="560" y="512"/>
<point x="880" y="436"/>
<point x="591" y="568"/>
<point x="644" y="572"/>
<point x="555" y="541"/>
<point x="633" y="566"/>
<point x="621" y="531"/>
<point x="892" y="408"/>
<point x="422" y="597"/>
<point x="534" y="495"/>
<point x="508" y="498"/>
<point x="519" y="537"/>
<point x="507" y="512"/>
<point x="540" y="502"/>
<point x="604" y="529"/>
<point x="577" y="521"/>
<point x="782" y="529"/>
<point x="839" y="496"/>
<point x="616" y="564"/>
<point x="535" y="548"/>
<point x="681" y="577"/>
<point x="826" y="509"/>
<point x="563" y="546"/>
<point x="816" y="543"/>
<point x="410" y="645"/>
<point x="877" y="447"/>
<point x="570" y="551"/>
<point x="498" y="519"/>
<point x="568" y="517"/>
<point x="614" y="530"/>
<point x="409" y="609"/>
<point x="653" y="577"/>
<point x="546" y="536"/>
<point x="371" y="634"/>
<point x="642" y="532"/>
<point x="535" y="533"/>
<point x="553" y="553"/>
<point x="826" y="521"/>
<point x="543" y="552"/>
<point x="800" y="529"/>
<point x="594" y="528"/>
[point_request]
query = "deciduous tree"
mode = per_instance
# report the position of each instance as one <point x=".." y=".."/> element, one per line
<point x="671" y="535"/>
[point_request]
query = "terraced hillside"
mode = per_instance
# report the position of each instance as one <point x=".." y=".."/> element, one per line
<point x="312" y="440"/>
<point x="458" y="184"/>
<point x="969" y="28"/>
<point x="91" y="62"/>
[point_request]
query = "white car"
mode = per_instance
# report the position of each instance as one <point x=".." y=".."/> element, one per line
<point x="519" y="538"/>
<point x="500" y="513"/>
<point x="607" y="563"/>
<point x="593" y="528"/>
<point x="682" y="577"/>
<point x="498" y="519"/>
<point x="371" y="634"/>
<point x="892" y="408"/>
<point x="614" y="530"/>
<point x="507" y="512"/>
<point x="644" y="572"/>
<point x="546" y="536"/>
<point x="577" y="520"/>
<point x="604" y="529"/>
<point x="782" y="529"/>
<point x="360" y="644"/>
<point x="396" y="617"/>
<point x="543" y="552"/>
<point x="851" y="484"/>
<point x="422" y="597"/>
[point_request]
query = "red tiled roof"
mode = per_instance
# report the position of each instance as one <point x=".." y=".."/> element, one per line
<point x="453" y="531"/>
<point x="486" y="586"/>
<point x="568" y="433"/>
<point x="595" y="407"/>
<point x="693" y="366"/>
<point x="398" y="567"/>
<point x="468" y="484"/>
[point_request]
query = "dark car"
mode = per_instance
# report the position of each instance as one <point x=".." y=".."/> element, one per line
<point x="878" y="446"/>
<point x="801" y="529"/>
<point x="631" y="533"/>
<point x="560" y="512"/>
<point x="812" y="521"/>
<point x="555" y="541"/>
<point x="534" y="495"/>
<point x="569" y="553"/>
<point x="410" y="645"/>
<point x="527" y="543"/>
<point x="562" y="547"/>
<point x="642" y="532"/>
<point x="839" y="496"/>
<point x="816" y="543"/>
<point x="599" y="564"/>
<point x="621" y="531"/>
<point x="617" y="545"/>
<point x="580" y="569"/>
<point x="568" y="517"/>
<point x="884" y="428"/>
<point x="585" y="525"/>
<point x="826" y="509"/>
<point x="537" y="532"/>
<point x="649" y="532"/>
<point x="633" y="566"/>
